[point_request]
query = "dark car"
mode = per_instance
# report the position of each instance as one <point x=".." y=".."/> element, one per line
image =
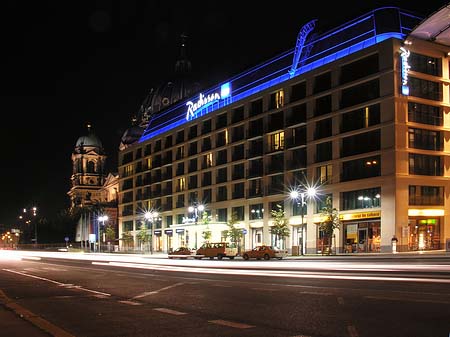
<point x="180" y="252"/>
<point x="264" y="252"/>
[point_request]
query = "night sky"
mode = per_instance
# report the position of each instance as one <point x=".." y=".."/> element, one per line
<point x="66" y="63"/>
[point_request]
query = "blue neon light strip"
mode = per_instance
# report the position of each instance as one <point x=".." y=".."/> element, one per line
<point x="359" y="34"/>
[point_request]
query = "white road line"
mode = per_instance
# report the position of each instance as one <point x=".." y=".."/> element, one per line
<point x="301" y="336"/>
<point x="232" y="324"/>
<point x="352" y="331"/>
<point x="66" y="285"/>
<point x="156" y="291"/>
<point x="168" y="311"/>
<point x="314" y="293"/>
<point x="386" y="298"/>
<point x="130" y="302"/>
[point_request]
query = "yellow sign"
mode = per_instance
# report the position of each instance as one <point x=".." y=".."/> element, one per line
<point x="363" y="215"/>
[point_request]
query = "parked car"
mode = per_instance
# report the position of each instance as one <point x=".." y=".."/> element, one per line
<point x="264" y="252"/>
<point x="216" y="249"/>
<point x="181" y="252"/>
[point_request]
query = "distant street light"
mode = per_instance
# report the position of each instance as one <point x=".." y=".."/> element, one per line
<point x="300" y="197"/>
<point x="102" y="219"/>
<point x="151" y="217"/>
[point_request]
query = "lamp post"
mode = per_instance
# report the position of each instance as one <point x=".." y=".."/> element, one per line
<point x="102" y="219"/>
<point x="197" y="210"/>
<point x="300" y="197"/>
<point x="151" y="216"/>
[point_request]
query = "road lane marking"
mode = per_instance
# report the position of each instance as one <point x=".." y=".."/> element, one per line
<point x="386" y="298"/>
<point x="156" y="291"/>
<point x="31" y="317"/>
<point x="232" y="324"/>
<point x="169" y="311"/>
<point x="352" y="331"/>
<point x="65" y="285"/>
<point x="130" y="302"/>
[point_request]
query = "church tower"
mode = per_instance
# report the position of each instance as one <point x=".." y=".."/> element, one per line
<point x="88" y="170"/>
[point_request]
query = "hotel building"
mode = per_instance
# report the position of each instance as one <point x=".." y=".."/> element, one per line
<point x="361" y="112"/>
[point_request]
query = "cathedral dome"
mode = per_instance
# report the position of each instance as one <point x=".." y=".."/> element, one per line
<point x="89" y="140"/>
<point x="182" y="86"/>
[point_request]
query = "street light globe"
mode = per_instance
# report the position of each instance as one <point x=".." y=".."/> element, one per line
<point x="201" y="208"/>
<point x="294" y="194"/>
<point x="191" y="209"/>
<point x="311" y="191"/>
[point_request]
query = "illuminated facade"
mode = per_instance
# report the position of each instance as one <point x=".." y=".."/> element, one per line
<point x="362" y="111"/>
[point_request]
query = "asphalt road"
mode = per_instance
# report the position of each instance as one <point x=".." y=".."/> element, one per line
<point x="160" y="297"/>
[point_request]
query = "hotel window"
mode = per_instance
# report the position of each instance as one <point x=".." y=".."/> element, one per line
<point x="361" y="168"/>
<point x="425" y="64"/>
<point x="276" y="141"/>
<point x="158" y="145"/>
<point x="425" y="114"/>
<point x="222" y="215"/>
<point x="276" y="99"/>
<point x="207" y="160"/>
<point x="222" y="138"/>
<point x="296" y="115"/>
<point x="324" y="174"/>
<point x="425" y="139"/>
<point x="256" y="128"/>
<point x="207" y="196"/>
<point x="256" y="212"/>
<point x="276" y="121"/>
<point x="206" y="126"/>
<point x="425" y="89"/>
<point x="238" y="213"/>
<point x="206" y="178"/>
<point x="322" y="105"/>
<point x="323" y="128"/>
<point x="180" y="136"/>
<point x="180" y="184"/>
<point x="322" y="82"/>
<point x="127" y="226"/>
<point x="237" y="133"/>
<point x="237" y="115"/>
<point x="360" y="93"/>
<point x="192" y="132"/>
<point x="180" y="169"/>
<point x="298" y="91"/>
<point x="359" y="69"/>
<point x="180" y="200"/>
<point x="147" y="149"/>
<point x="254" y="188"/>
<point x="276" y="206"/>
<point x="180" y="152"/>
<point x="128" y="170"/>
<point x="221" y="175"/>
<point x="168" y="142"/>
<point x="422" y="164"/>
<point x="238" y="171"/>
<point x="238" y="190"/>
<point x="361" y="143"/>
<point x="206" y="144"/>
<point x="256" y="107"/>
<point x="222" y="157"/>
<point x="221" y="121"/>
<point x="365" y="198"/>
<point x="192" y="165"/>
<point x="192" y="149"/>
<point x="321" y="202"/>
<point x="192" y="182"/>
<point x="426" y="195"/>
<point x="221" y="193"/>
<point x="361" y="118"/>
<point x="127" y="157"/>
<point x="324" y="151"/>
<point x="237" y="152"/>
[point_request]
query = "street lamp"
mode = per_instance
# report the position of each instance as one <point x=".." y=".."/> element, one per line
<point x="151" y="216"/>
<point x="300" y="197"/>
<point x="197" y="210"/>
<point x="102" y="219"/>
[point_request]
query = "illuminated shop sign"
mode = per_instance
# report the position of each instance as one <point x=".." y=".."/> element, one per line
<point x="194" y="108"/>
<point x="404" y="54"/>
<point x="363" y="215"/>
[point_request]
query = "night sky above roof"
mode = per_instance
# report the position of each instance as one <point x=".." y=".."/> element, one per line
<point x="65" y="64"/>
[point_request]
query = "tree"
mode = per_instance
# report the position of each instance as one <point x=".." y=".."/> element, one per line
<point x="280" y="226"/>
<point x="206" y="234"/>
<point x="330" y="222"/>
<point x="233" y="232"/>
<point x="143" y="236"/>
<point x="127" y="238"/>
